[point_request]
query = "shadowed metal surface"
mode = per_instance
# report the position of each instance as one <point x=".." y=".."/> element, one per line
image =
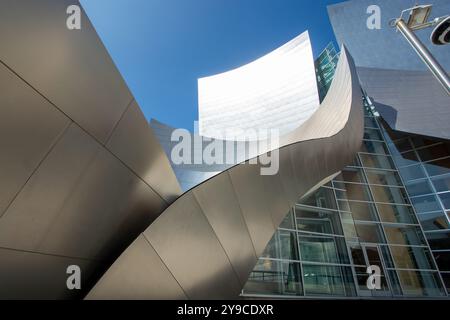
<point x="209" y="239"/>
<point x="81" y="174"/>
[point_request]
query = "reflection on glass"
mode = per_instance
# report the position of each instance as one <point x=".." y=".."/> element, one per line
<point x="370" y="233"/>
<point x="406" y="159"/>
<point x="315" y="220"/>
<point x="323" y="198"/>
<point x="426" y="204"/>
<point x="372" y="134"/>
<point x="388" y="194"/>
<point x="396" y="213"/>
<point x="434" y="152"/>
<point x="439" y="240"/>
<point x="417" y="188"/>
<point x="370" y="122"/>
<point x="443" y="260"/>
<point x="445" y="199"/>
<point x="438" y="167"/>
<point x="411" y="257"/>
<point x="327" y="280"/>
<point x="433" y="221"/>
<point x="376" y="161"/>
<point x="412" y="172"/>
<point x="442" y="183"/>
<point x="354" y="192"/>
<point x="404" y="235"/>
<point x="266" y="278"/>
<point x="351" y="175"/>
<point x="370" y="146"/>
<point x="382" y="177"/>
<point x="420" y="283"/>
<point x="322" y="249"/>
<point x="288" y="245"/>
<point x="292" y="278"/>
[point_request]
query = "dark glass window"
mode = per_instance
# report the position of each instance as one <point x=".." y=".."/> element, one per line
<point x="438" y="167"/>
<point x="434" y="152"/>
<point x="439" y="240"/>
<point x="292" y="278"/>
<point x="370" y="122"/>
<point x="412" y="172"/>
<point x="374" y="147"/>
<point x="445" y="198"/>
<point x="406" y="159"/>
<point x="443" y="260"/>
<point x="417" y="188"/>
<point x="433" y="221"/>
<point x="441" y="183"/>
<point x="288" y="245"/>
<point x="426" y="204"/>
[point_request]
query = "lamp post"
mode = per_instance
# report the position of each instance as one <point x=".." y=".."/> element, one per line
<point x="418" y="17"/>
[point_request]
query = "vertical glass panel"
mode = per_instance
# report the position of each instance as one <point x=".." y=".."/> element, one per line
<point x="446" y="279"/>
<point x="412" y="257"/>
<point x="387" y="256"/>
<point x="417" y="188"/>
<point x="363" y="211"/>
<point x="382" y="177"/>
<point x="370" y="233"/>
<point x="372" y="134"/>
<point x="322" y="198"/>
<point x="433" y="221"/>
<point x="434" y="152"/>
<point x="395" y="283"/>
<point x="314" y="220"/>
<point x="439" y="240"/>
<point x="355" y="192"/>
<point x="357" y="254"/>
<point x="266" y="278"/>
<point x="404" y="235"/>
<point x="272" y="249"/>
<point x="318" y="249"/>
<point x="376" y="161"/>
<point x="420" y="283"/>
<point x="412" y="172"/>
<point x="351" y="175"/>
<point x="374" y="259"/>
<point x="445" y="199"/>
<point x="426" y="204"/>
<point x="438" y="167"/>
<point x="377" y="147"/>
<point x="441" y="183"/>
<point x="292" y="278"/>
<point x="288" y="245"/>
<point x="388" y="194"/>
<point x="443" y="260"/>
<point x="396" y="213"/>
<point x="348" y="225"/>
<point x="324" y="280"/>
<point x="406" y="159"/>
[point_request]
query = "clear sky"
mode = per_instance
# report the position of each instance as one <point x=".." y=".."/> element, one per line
<point x="162" y="47"/>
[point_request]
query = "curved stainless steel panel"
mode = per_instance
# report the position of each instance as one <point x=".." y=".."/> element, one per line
<point x="81" y="174"/>
<point x="195" y="242"/>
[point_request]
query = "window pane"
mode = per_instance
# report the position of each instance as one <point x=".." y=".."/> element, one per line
<point x="426" y="204"/>
<point x="396" y="213"/>
<point x="402" y="145"/>
<point x="357" y="255"/>
<point x="266" y="278"/>
<point x="363" y="211"/>
<point x="369" y="233"/>
<point x="438" y="167"/>
<point x="443" y="260"/>
<point x="439" y="240"/>
<point x="376" y="161"/>
<point x="445" y="198"/>
<point x="348" y="225"/>
<point x="288" y="222"/>
<point x="311" y="220"/>
<point x="327" y="280"/>
<point x="370" y="122"/>
<point x="288" y="245"/>
<point x="435" y="152"/>
<point x="292" y="278"/>
<point x="351" y="175"/>
<point x="323" y="198"/>
<point x="442" y="183"/>
<point x="404" y="235"/>
<point x="390" y="178"/>
<point x="446" y="278"/>
<point x="411" y="257"/>
<point x="412" y="172"/>
<point x="419" y="141"/>
<point x="374" y="147"/>
<point x="322" y="249"/>
<point x="418" y="188"/>
<point x="420" y="283"/>
<point x="389" y="194"/>
<point x="272" y="249"/>
<point x="372" y="134"/>
<point x="354" y="192"/>
<point x="433" y="221"/>
<point x="405" y="159"/>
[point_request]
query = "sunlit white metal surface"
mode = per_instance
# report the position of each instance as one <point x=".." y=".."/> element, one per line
<point x="277" y="91"/>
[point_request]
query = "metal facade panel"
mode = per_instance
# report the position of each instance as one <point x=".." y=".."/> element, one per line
<point x="24" y="141"/>
<point x="71" y="68"/>
<point x="146" y="278"/>
<point x="190" y="249"/>
<point x="135" y="144"/>
<point x="218" y="201"/>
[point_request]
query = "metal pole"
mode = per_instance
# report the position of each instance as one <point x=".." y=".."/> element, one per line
<point x="434" y="66"/>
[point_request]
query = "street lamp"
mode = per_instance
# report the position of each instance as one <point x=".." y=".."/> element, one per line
<point x="418" y="19"/>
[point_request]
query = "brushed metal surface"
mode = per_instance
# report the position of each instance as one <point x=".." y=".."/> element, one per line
<point x="24" y="141"/>
<point x="219" y="203"/>
<point x="18" y="270"/>
<point x="193" y="247"/>
<point x="146" y="278"/>
<point x="134" y="143"/>
<point x="189" y="247"/>
<point x="71" y="68"/>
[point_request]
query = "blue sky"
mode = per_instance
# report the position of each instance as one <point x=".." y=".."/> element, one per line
<point x="162" y="47"/>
